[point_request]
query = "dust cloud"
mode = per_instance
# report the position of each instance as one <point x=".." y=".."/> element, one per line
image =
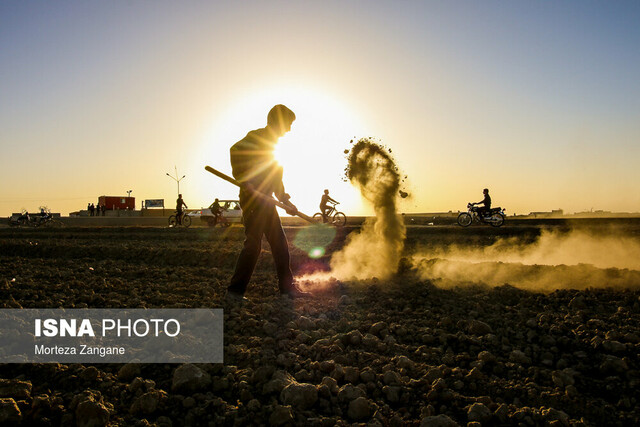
<point x="374" y="251"/>
<point x="574" y="260"/>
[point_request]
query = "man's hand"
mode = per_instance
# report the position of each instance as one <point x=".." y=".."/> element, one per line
<point x="291" y="208"/>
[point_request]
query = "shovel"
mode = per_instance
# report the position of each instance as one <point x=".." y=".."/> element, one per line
<point x="262" y="196"/>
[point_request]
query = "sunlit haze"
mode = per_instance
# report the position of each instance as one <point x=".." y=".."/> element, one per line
<point x="538" y="101"/>
<point x="312" y="154"/>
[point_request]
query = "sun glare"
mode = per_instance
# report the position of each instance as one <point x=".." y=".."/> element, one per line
<point x="312" y="153"/>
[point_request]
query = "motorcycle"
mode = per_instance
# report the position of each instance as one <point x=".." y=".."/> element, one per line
<point x="495" y="217"/>
<point x="44" y="219"/>
<point x="23" y="219"/>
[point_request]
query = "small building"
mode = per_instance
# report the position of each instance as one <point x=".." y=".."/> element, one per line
<point x="113" y="203"/>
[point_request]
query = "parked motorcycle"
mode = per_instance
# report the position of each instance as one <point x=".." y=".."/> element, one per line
<point x="495" y="217"/>
<point x="26" y="219"/>
<point x="45" y="219"/>
<point x="19" y="221"/>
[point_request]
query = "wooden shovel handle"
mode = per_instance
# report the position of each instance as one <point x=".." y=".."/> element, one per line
<point x="258" y="194"/>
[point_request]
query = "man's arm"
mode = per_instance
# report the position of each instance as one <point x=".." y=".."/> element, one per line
<point x="282" y="195"/>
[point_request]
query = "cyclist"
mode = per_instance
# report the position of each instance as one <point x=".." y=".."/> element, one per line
<point x="323" y="205"/>
<point x="179" y="204"/>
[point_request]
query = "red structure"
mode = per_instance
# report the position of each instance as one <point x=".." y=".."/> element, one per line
<point x="113" y="203"/>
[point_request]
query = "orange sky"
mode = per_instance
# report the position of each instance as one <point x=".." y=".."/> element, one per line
<point x="539" y="102"/>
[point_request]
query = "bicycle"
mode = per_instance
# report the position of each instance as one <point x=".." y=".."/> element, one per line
<point x="337" y="218"/>
<point x="185" y="220"/>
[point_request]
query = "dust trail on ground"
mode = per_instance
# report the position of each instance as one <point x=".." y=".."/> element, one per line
<point x="575" y="260"/>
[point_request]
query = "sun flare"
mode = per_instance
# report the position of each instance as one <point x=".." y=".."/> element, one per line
<point x="312" y="153"/>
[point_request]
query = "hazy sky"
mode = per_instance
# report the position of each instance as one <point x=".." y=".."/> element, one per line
<point x="539" y="101"/>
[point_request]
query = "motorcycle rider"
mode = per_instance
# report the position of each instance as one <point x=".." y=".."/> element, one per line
<point x="24" y="218"/>
<point x="216" y="210"/>
<point x="486" y="202"/>
<point x="43" y="217"/>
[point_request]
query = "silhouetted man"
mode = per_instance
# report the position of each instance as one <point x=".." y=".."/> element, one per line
<point x="323" y="204"/>
<point x="486" y="202"/>
<point x="179" y="204"/>
<point x="260" y="176"/>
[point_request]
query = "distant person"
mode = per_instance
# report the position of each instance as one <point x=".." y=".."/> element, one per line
<point x="24" y="218"/>
<point x="324" y="209"/>
<point x="216" y="210"/>
<point x="215" y="207"/>
<point x="254" y="166"/>
<point x="179" y="204"/>
<point x="88" y="209"/>
<point x="486" y="202"/>
<point x="103" y="208"/>
<point x="92" y="208"/>
<point x="44" y="215"/>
